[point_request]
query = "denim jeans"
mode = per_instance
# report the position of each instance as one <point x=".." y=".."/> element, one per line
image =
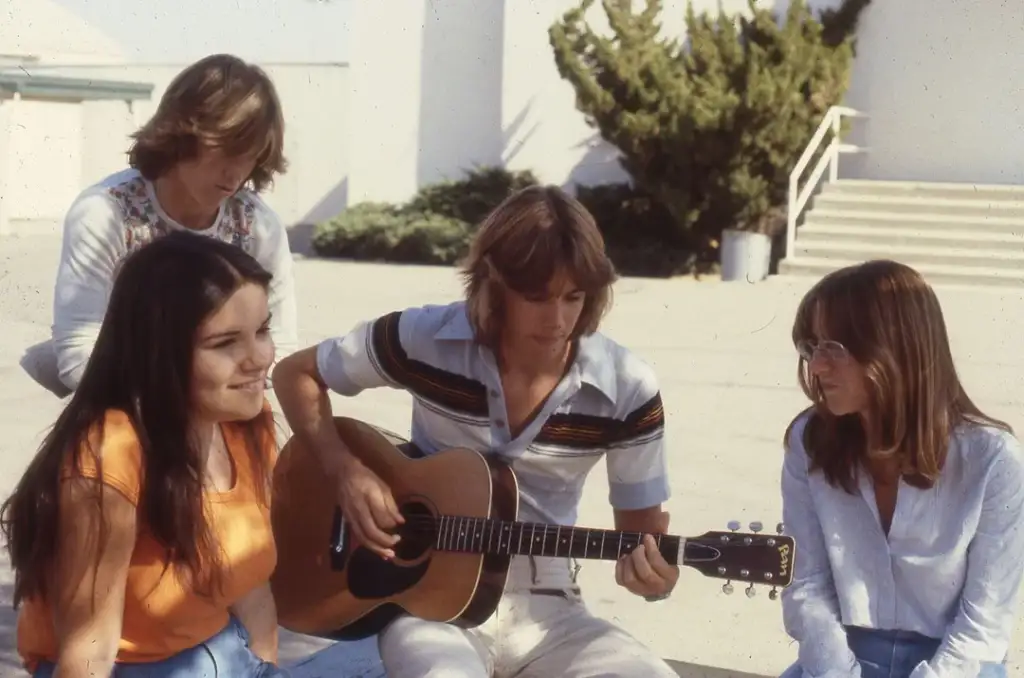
<point x="894" y="654"/>
<point x="226" y="655"/>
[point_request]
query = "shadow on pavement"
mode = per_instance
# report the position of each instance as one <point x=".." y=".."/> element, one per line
<point x="359" y="659"/>
<point x="686" y="670"/>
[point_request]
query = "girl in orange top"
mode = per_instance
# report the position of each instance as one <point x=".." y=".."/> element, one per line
<point x="140" y="534"/>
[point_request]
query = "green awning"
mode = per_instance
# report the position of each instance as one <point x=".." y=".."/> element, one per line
<point x="78" y="89"/>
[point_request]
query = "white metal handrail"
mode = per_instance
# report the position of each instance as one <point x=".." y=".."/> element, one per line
<point x="832" y="121"/>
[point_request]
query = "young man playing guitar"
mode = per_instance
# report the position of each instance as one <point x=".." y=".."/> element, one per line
<point x="517" y="370"/>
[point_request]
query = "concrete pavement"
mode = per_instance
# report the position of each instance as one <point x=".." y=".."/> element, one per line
<point x="727" y="371"/>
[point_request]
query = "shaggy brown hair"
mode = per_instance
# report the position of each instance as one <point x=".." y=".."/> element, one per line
<point x="521" y="246"/>
<point x="219" y="102"/>
<point x="890" y="321"/>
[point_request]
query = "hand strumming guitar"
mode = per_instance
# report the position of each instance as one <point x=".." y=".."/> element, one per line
<point x="368" y="507"/>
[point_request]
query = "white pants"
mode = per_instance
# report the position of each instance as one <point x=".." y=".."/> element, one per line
<point x="40" y="362"/>
<point x="530" y="635"/>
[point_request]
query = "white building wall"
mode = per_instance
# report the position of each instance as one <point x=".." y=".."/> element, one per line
<point x="44" y="32"/>
<point x="385" y="53"/>
<point x="943" y="84"/>
<point x="43" y="158"/>
<point x="470" y="83"/>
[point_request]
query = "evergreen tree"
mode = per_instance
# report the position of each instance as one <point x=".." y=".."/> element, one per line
<point x="710" y="126"/>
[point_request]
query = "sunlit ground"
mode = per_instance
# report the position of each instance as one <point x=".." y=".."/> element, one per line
<point x="727" y="371"/>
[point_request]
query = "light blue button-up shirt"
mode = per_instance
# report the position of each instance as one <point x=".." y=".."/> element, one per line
<point x="950" y="568"/>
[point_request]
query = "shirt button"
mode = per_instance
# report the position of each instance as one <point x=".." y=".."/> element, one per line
<point x="500" y="423"/>
<point x="494" y="393"/>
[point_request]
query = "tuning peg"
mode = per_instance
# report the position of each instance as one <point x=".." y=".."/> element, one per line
<point x="727" y="588"/>
<point x="773" y="594"/>
<point x="756" y="526"/>
<point x="751" y="591"/>
<point x="734" y="525"/>
<point x="780" y="528"/>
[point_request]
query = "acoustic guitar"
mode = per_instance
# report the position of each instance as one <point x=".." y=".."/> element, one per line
<point x="459" y="536"/>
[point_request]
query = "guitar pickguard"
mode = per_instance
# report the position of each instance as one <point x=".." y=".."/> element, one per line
<point x="370" y="576"/>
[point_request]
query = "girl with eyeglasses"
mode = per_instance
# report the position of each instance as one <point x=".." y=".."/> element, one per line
<point x="905" y="499"/>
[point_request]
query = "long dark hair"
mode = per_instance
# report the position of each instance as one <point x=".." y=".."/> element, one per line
<point x="141" y="365"/>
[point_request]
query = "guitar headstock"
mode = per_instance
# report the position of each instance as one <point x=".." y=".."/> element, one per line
<point x="752" y="557"/>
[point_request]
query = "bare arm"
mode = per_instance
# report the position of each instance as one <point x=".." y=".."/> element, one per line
<point x="304" y="399"/>
<point x="89" y="582"/>
<point x="365" y="501"/>
<point x="258" y="614"/>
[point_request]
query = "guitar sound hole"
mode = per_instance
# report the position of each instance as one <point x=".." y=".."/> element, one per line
<point x="416" y="536"/>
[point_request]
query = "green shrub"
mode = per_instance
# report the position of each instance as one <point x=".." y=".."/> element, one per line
<point x="434" y="227"/>
<point x="638" y="231"/>
<point x="472" y="197"/>
<point x="381" y="232"/>
<point x="431" y="239"/>
<point x="425" y="231"/>
<point x="710" y="126"/>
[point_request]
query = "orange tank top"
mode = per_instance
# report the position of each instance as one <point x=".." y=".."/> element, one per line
<point x="161" y="616"/>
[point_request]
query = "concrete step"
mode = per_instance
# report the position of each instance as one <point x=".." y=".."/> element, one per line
<point x="960" y="191"/>
<point x="897" y="236"/>
<point x="882" y="220"/>
<point x="935" y="274"/>
<point x="978" y="209"/>
<point x="914" y="255"/>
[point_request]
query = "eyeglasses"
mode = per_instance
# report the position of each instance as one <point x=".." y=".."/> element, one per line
<point x="828" y="349"/>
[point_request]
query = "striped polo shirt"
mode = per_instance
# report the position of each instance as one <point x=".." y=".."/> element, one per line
<point x="607" y="405"/>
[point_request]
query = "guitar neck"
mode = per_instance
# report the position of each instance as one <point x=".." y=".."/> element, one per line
<point x="484" y="535"/>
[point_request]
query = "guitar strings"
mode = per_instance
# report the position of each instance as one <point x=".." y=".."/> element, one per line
<point x="460" y="522"/>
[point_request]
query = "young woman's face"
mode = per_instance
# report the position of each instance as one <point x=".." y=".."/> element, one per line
<point x="842" y="379"/>
<point x="544" y="322"/>
<point x="213" y="176"/>
<point x="233" y="353"/>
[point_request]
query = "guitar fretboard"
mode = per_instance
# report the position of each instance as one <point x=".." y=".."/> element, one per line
<point x="485" y="535"/>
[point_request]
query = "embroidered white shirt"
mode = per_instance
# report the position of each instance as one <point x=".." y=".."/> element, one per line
<point x="950" y="568"/>
<point x="121" y="213"/>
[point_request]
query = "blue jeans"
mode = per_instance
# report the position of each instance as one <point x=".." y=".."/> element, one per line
<point x="894" y="654"/>
<point x="226" y="655"/>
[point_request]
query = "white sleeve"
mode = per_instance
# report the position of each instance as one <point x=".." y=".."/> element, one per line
<point x="375" y="354"/>
<point x="636" y="462"/>
<point x="93" y="245"/>
<point x="810" y="605"/>
<point x="982" y="628"/>
<point x="274" y="254"/>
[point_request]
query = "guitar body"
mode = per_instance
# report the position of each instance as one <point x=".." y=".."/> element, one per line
<point x="348" y="592"/>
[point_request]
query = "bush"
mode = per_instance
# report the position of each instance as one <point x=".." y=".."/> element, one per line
<point x="436" y="226"/>
<point x="381" y="232"/>
<point x="709" y="126"/>
<point x="473" y="197"/>
<point x="638" y="231"/>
